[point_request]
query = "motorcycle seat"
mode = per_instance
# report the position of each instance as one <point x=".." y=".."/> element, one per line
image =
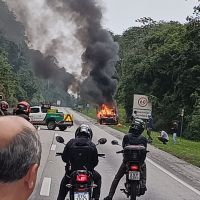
<point x="135" y="147"/>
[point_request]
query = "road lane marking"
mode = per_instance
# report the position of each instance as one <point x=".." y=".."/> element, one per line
<point x="174" y="177"/>
<point x="53" y="147"/>
<point x="45" y="189"/>
<point x="56" y="134"/>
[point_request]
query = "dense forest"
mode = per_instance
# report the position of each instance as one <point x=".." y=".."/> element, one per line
<point x="158" y="59"/>
<point x="17" y="79"/>
<point x="162" y="60"/>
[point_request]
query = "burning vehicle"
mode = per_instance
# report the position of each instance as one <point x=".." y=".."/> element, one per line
<point x="107" y="114"/>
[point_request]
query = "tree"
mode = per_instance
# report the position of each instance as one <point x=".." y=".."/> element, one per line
<point x="161" y="60"/>
<point x="7" y="80"/>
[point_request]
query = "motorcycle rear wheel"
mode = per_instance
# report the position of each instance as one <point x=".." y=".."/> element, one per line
<point x="133" y="190"/>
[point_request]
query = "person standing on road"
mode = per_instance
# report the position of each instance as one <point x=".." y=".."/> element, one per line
<point x="164" y="138"/>
<point x="20" y="154"/>
<point x="174" y="131"/>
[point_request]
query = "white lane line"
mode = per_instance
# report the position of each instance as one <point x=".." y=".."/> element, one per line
<point x="174" y="177"/>
<point x="45" y="189"/>
<point x="53" y="147"/>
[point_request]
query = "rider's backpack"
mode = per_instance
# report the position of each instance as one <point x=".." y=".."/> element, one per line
<point x="82" y="155"/>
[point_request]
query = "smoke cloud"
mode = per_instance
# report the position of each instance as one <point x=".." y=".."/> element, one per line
<point x="47" y="68"/>
<point x="71" y="31"/>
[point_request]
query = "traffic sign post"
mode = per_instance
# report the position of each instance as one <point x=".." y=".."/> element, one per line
<point x="58" y="102"/>
<point x="141" y="106"/>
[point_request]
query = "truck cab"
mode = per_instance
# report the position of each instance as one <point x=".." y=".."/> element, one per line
<point x="38" y="115"/>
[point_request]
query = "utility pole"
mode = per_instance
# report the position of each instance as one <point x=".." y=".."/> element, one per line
<point x="182" y="114"/>
<point x="48" y="84"/>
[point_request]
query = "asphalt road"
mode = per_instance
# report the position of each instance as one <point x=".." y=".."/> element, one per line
<point x="161" y="184"/>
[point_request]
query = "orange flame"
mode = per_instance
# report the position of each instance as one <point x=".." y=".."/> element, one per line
<point x="106" y="111"/>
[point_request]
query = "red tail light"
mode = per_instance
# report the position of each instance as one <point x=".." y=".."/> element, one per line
<point x="82" y="189"/>
<point x="134" y="167"/>
<point x="82" y="178"/>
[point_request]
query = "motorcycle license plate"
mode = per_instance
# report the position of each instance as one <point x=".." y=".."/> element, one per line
<point x="134" y="175"/>
<point x="81" y="196"/>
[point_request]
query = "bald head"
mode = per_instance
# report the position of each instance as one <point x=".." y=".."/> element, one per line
<point x="20" y="148"/>
<point x="12" y="126"/>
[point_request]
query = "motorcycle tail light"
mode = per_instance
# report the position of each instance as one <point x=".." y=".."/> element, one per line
<point x="134" y="167"/>
<point x="82" y="178"/>
<point x="81" y="189"/>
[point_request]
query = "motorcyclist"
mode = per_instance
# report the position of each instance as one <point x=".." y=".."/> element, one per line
<point x="133" y="137"/>
<point x="80" y="153"/>
<point x="4" y="108"/>
<point x="23" y="110"/>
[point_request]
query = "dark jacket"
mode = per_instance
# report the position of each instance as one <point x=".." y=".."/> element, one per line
<point x="26" y="117"/>
<point x="1" y="113"/>
<point x="80" y="153"/>
<point x="4" y="112"/>
<point x="174" y="128"/>
<point x="149" y="123"/>
<point x="131" y="139"/>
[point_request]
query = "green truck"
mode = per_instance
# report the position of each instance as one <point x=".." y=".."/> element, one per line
<point x="41" y="115"/>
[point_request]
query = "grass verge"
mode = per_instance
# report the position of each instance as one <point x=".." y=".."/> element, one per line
<point x="184" y="149"/>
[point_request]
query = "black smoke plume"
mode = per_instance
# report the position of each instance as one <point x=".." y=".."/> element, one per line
<point x="101" y="52"/>
<point x="46" y="67"/>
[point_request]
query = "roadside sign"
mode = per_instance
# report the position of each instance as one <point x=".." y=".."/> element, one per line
<point x="182" y="112"/>
<point x="141" y="106"/>
<point x="68" y="118"/>
<point x="58" y="103"/>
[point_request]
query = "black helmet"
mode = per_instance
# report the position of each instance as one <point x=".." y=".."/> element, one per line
<point x="84" y="130"/>
<point x="137" y="127"/>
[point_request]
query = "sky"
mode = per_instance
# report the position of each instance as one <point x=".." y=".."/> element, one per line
<point x="121" y="14"/>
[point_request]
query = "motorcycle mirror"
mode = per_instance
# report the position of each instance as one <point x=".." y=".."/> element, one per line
<point x="60" y="139"/>
<point x="114" y="142"/>
<point x="102" y="141"/>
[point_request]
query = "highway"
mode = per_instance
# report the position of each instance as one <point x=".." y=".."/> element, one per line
<point x="161" y="184"/>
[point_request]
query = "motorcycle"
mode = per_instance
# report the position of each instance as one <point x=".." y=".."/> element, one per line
<point x="134" y="155"/>
<point x="81" y="183"/>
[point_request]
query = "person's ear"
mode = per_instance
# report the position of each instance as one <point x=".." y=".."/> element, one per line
<point x="31" y="176"/>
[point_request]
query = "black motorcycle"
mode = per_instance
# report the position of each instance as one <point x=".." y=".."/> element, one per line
<point x="81" y="183"/>
<point x="134" y="156"/>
